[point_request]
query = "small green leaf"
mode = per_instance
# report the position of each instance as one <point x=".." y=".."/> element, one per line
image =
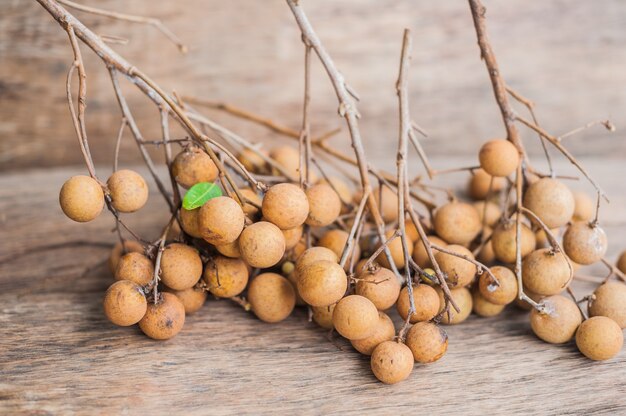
<point x="198" y="194"/>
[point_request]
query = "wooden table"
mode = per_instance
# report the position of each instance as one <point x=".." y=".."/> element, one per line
<point x="59" y="355"/>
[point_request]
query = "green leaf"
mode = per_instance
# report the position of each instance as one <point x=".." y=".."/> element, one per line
<point x="198" y="194"/>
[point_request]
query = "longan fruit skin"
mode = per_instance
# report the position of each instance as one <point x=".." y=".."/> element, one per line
<point x="396" y="251"/>
<point x="392" y="362"/>
<point x="501" y="294"/>
<point x="324" y="205"/>
<point x="551" y="201"/>
<point x="323" y="315"/>
<point x="585" y="243"/>
<point x="355" y="317"/>
<point x="272" y="297"/>
<point x="385" y="331"/>
<point x="621" y="262"/>
<point x="193" y="165"/>
<point x="542" y="238"/>
<point x="459" y="272"/>
<point x="498" y="157"/>
<point x="486" y="255"/>
<point x="464" y="301"/>
<point x="427" y="303"/>
<point x="483" y="307"/>
<point x="220" y="220"/>
<point x="81" y="198"/>
<point x="125" y="303"/>
<point x="522" y="304"/>
<point x="341" y="188"/>
<point x="192" y="298"/>
<point x="322" y="283"/>
<point x="428" y="342"/>
<point x="478" y="185"/>
<point x="457" y="222"/>
<point x="292" y="237"/>
<point x="189" y="222"/>
<point x="181" y="266"/>
<point x="128" y="190"/>
<point x="164" y="319"/>
<point x="545" y="273"/>
<point x="230" y="249"/>
<point x="252" y="161"/>
<point x="249" y="209"/>
<point x="335" y="240"/>
<point x="288" y="157"/>
<point x="488" y="212"/>
<point x="135" y="267"/>
<point x="262" y="244"/>
<point x="504" y="241"/>
<point x="610" y="301"/>
<point x="420" y="256"/>
<point x="225" y="277"/>
<point x="389" y="206"/>
<point x="314" y="254"/>
<point x="584" y="207"/>
<point x="118" y="251"/>
<point x="380" y="286"/>
<point x="599" y="338"/>
<point x="559" y="323"/>
<point x="286" y="206"/>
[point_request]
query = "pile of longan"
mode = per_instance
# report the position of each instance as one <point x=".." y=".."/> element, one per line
<point x="281" y="248"/>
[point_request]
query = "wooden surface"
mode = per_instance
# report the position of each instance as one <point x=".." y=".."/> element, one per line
<point x="59" y="355"/>
<point x="566" y="55"/>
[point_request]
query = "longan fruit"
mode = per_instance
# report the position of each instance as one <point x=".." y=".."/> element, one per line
<point x="478" y="186"/>
<point x="498" y="157"/>
<point x="225" y="277"/>
<point x="262" y="244"/>
<point x="125" y="303"/>
<point x="545" y="272"/>
<point x="220" y="220"/>
<point x="384" y="331"/>
<point x="292" y="237"/>
<point x="381" y="286"/>
<point x="335" y="240"/>
<point x="164" y="319"/>
<point x="193" y="165"/>
<point x="392" y="362"/>
<point x="192" y="298"/>
<point x="118" y="251"/>
<point x="389" y="206"/>
<point x="271" y="297"/>
<point x="488" y="212"/>
<point x="459" y="272"/>
<point x="230" y="249"/>
<point x="249" y="209"/>
<point x="252" y="161"/>
<point x="355" y="317"/>
<point x="584" y="207"/>
<point x="599" y="338"/>
<point x="610" y="301"/>
<point x="585" y="243"/>
<point x="340" y="187"/>
<point x="428" y="342"/>
<point x="457" y="222"/>
<point x="396" y="251"/>
<point x="314" y="254"/>
<point x="542" y="238"/>
<point x="189" y="222"/>
<point x="81" y="198"/>
<point x="504" y="241"/>
<point x="522" y="304"/>
<point x="551" y="200"/>
<point x="464" y="301"/>
<point x="323" y="315"/>
<point x="128" y="190"/>
<point x="486" y="255"/>
<point x="285" y="205"/>
<point x="558" y="323"/>
<point x="621" y="262"/>
<point x="181" y="266"/>
<point x="420" y="256"/>
<point x="502" y="294"/>
<point x="322" y="283"/>
<point x="482" y="307"/>
<point x="324" y="205"/>
<point x="288" y="157"/>
<point x="411" y="231"/>
<point x="135" y="267"/>
<point x="426" y="302"/>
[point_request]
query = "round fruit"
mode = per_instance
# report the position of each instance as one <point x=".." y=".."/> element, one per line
<point x="335" y="240"/>
<point x="621" y="262"/>
<point x="355" y="317"/>
<point x="504" y="243"/>
<point x="324" y="205"/>
<point x="482" y="307"/>
<point x="389" y="206"/>
<point x="599" y="338"/>
<point x="225" y="277"/>
<point x="292" y="237"/>
<point x="584" y="207"/>
<point x="125" y="303"/>
<point x="545" y="272"/>
<point x="396" y="251"/>
<point x="558" y="323"/>
<point x="118" y="251"/>
<point x="322" y="283"/>
<point x="252" y="161"/>
<point x="542" y="238"/>
<point x="498" y="157"/>
<point x="128" y="190"/>
<point x="288" y="158"/>
<point x="81" y="198"/>
<point x="392" y="362"/>
<point x="426" y="303"/>
<point x="381" y="286"/>
<point x="459" y="272"/>
<point x="344" y="191"/>
<point x="551" y="201"/>
<point x="457" y="222"/>
<point x="313" y="255"/>
<point x="585" y="243"/>
<point x="478" y="186"/>
<point x="189" y="222"/>
<point x="271" y="297"/>
<point x="262" y="244"/>
<point x="164" y="319"/>
<point x="522" y="304"/>
<point x="385" y="331"/>
<point x="286" y="206"/>
<point x="181" y="266"/>
<point x="428" y="342"/>
<point x="220" y="220"/>
<point x="192" y="298"/>
<point x="610" y="301"/>
<point x="501" y="294"/>
<point x="488" y="212"/>
<point x="193" y="165"/>
<point x="487" y="255"/>
<point x="249" y="209"/>
<point x="420" y="256"/>
<point x="323" y="315"/>
<point x="135" y="267"/>
<point x="230" y="249"/>
<point x="463" y="299"/>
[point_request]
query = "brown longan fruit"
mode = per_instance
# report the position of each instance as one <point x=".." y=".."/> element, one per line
<point x="192" y="298"/>
<point x="384" y="331"/>
<point x="225" y="277"/>
<point x="230" y="249"/>
<point x="288" y="157"/>
<point x="610" y="301"/>
<point x="181" y="266"/>
<point x="522" y="304"/>
<point x="396" y="250"/>
<point x="488" y="212"/>
<point x="546" y="272"/>
<point x="482" y="307"/>
<point x="252" y="161"/>
<point x="286" y="206"/>
<point x="324" y="205"/>
<point x="426" y="303"/>
<point x="457" y="222"/>
<point x="193" y="165"/>
<point x="322" y="283"/>
<point x="558" y="323"/>
<point x="262" y="244"/>
<point x="249" y="209"/>
<point x="164" y="319"/>
<point x="487" y="255"/>
<point x="314" y="254"/>
<point x="323" y="315"/>
<point x="504" y="241"/>
<point x="271" y="297"/>
<point x="478" y="186"/>
<point x="125" y="303"/>
<point x="599" y="338"/>
<point x="542" y="238"/>
<point x="340" y="187"/>
<point x="189" y="222"/>
<point x="389" y="206"/>
<point x="135" y="267"/>
<point x="621" y="262"/>
<point x="463" y="299"/>
<point x="292" y="237"/>
<point x="392" y="362"/>
<point x="459" y="272"/>
<point x="118" y="251"/>
<point x="498" y="157"/>
<point x="381" y="286"/>
<point x="220" y="220"/>
<point x="128" y="190"/>
<point x="428" y="342"/>
<point x="81" y="198"/>
<point x="420" y="256"/>
<point x="501" y="294"/>
<point x="584" y="207"/>
<point x="355" y="317"/>
<point x="335" y="240"/>
<point x="585" y="243"/>
<point x="551" y="200"/>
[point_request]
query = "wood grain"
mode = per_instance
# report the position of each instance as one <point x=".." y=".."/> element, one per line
<point x="59" y="355"/>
